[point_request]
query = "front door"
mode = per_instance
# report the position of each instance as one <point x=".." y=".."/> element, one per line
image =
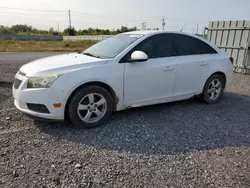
<point x="149" y="81"/>
<point x="152" y="80"/>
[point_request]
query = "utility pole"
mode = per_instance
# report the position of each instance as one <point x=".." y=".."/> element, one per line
<point x="143" y="26"/>
<point x="58" y="27"/>
<point x="197" y="30"/>
<point x="163" y="23"/>
<point x="69" y="20"/>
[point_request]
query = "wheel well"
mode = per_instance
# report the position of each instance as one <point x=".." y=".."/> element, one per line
<point x="105" y="86"/>
<point x="222" y="75"/>
<point x="217" y="73"/>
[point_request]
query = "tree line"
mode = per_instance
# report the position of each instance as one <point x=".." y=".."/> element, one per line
<point x="29" y="30"/>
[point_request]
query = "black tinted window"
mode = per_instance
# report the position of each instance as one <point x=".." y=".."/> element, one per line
<point x="186" y="45"/>
<point x="157" y="46"/>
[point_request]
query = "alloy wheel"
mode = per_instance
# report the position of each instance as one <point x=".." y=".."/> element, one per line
<point x="214" y="89"/>
<point x="92" y="108"/>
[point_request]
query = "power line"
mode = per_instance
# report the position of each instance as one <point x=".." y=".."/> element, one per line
<point x="123" y="18"/>
<point x="33" y="9"/>
<point x="89" y="14"/>
<point x="64" y="11"/>
<point x="85" y="13"/>
<point x="32" y="16"/>
<point x="21" y="13"/>
<point x="150" y="17"/>
<point x="111" y="16"/>
<point x="141" y="18"/>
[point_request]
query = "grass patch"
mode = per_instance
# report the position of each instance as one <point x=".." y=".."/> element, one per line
<point x="44" y="46"/>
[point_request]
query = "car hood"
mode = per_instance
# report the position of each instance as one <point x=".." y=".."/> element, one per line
<point x="60" y="64"/>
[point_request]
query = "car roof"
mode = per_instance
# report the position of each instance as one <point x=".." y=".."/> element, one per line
<point x="144" y="32"/>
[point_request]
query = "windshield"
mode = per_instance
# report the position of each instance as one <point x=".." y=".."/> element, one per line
<point x="112" y="46"/>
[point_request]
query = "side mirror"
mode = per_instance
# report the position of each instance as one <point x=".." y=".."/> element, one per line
<point x="138" y="56"/>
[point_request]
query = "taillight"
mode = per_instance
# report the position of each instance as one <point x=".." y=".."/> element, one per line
<point x="232" y="60"/>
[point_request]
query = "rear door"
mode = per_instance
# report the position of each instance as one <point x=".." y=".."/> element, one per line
<point x="192" y="65"/>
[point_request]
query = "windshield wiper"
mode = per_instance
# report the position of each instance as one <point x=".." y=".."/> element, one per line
<point x="91" y="55"/>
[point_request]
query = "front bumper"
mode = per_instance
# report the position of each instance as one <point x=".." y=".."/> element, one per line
<point x="23" y="108"/>
<point x="44" y="96"/>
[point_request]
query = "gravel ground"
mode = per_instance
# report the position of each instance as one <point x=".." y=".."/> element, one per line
<point x="181" y="144"/>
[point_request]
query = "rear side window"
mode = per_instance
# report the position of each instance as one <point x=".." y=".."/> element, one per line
<point x="157" y="46"/>
<point x="186" y="45"/>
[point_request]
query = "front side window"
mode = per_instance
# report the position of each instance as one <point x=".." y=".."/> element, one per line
<point x="186" y="45"/>
<point x="112" y="46"/>
<point x="157" y="46"/>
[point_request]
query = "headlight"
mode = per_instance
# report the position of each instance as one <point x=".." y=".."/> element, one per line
<point x="41" y="82"/>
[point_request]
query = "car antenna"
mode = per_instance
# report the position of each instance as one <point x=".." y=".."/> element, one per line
<point x="183" y="27"/>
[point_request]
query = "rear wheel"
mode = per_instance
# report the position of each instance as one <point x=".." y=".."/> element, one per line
<point x="213" y="89"/>
<point x="90" y="107"/>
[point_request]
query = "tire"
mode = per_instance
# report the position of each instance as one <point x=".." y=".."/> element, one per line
<point x="90" y="107"/>
<point x="211" y="89"/>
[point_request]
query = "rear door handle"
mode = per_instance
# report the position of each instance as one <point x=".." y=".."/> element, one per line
<point x="204" y="63"/>
<point x="168" y="69"/>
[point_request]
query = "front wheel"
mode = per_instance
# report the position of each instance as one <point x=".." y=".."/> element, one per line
<point x="90" y="106"/>
<point x="213" y="89"/>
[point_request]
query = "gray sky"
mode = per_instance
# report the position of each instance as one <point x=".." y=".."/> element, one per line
<point x="112" y="14"/>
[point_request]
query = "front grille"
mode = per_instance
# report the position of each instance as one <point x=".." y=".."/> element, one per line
<point x="38" y="108"/>
<point x="22" y="74"/>
<point x="17" y="83"/>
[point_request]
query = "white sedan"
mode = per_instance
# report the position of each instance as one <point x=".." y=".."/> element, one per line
<point x="127" y="70"/>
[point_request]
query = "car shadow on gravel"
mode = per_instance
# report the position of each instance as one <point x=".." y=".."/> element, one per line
<point x="167" y="128"/>
<point x="4" y="84"/>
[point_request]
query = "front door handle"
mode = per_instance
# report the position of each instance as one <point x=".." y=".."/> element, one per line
<point x="168" y="69"/>
<point x="204" y="63"/>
